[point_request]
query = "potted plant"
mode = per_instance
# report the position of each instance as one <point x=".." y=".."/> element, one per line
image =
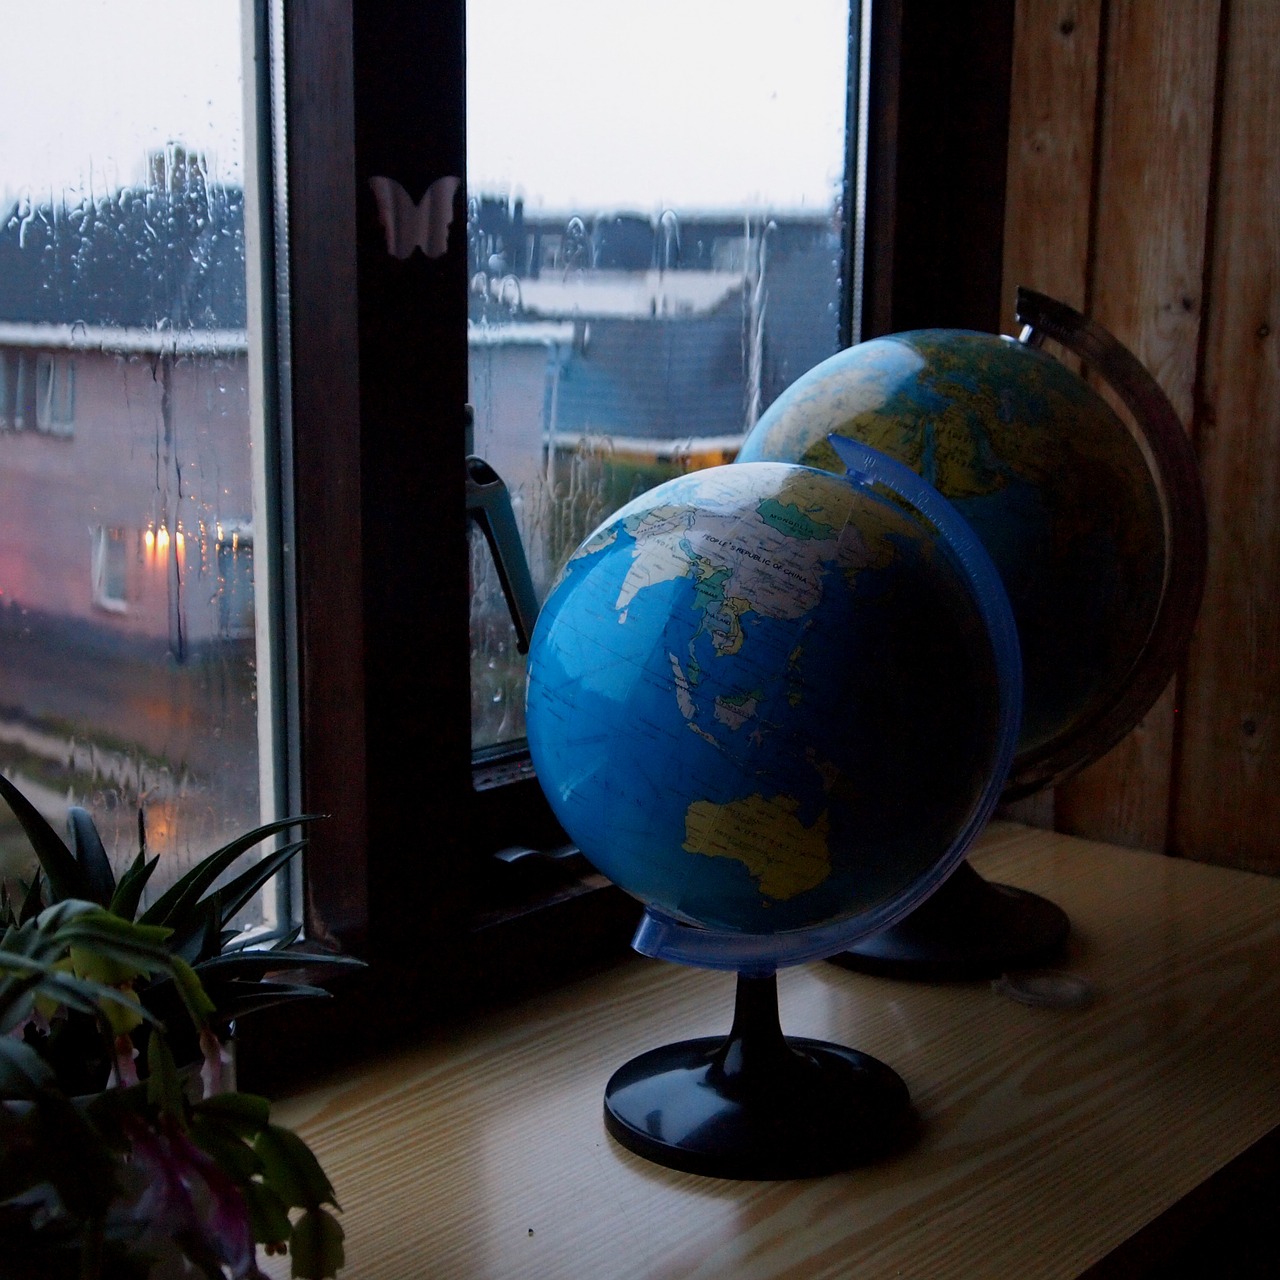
<point x="125" y="1150"/>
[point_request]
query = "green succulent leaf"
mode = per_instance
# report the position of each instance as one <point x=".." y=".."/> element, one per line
<point x="76" y="954"/>
<point x="86" y="847"/>
<point x="256" y="963"/>
<point x="128" y="894"/>
<point x="164" y="1084"/>
<point x="33" y="902"/>
<point x="66" y="1151"/>
<point x="23" y="1072"/>
<point x="194" y="996"/>
<point x="246" y="1113"/>
<point x="238" y="1000"/>
<point x="66" y="877"/>
<point x="140" y="947"/>
<point x="268" y="1214"/>
<point x="227" y="1147"/>
<point x="315" y="1246"/>
<point x="196" y="936"/>
<point x="104" y="964"/>
<point x="175" y="905"/>
<point x="47" y="983"/>
<point x="242" y="889"/>
<point x="291" y="1169"/>
<point x="247" y="942"/>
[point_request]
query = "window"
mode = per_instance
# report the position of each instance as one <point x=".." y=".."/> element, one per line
<point x="233" y="548"/>
<point x="110" y="560"/>
<point x="55" y="393"/>
<point x="128" y="292"/>
<point x="641" y="286"/>
<point x="17" y="389"/>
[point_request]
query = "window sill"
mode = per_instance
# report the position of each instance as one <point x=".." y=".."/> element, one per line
<point x="543" y="927"/>
<point x="1099" y="1141"/>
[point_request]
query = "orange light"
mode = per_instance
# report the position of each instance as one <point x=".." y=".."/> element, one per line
<point x="162" y="540"/>
<point x="150" y="539"/>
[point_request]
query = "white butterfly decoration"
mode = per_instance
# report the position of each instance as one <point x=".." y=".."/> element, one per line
<point x="410" y="226"/>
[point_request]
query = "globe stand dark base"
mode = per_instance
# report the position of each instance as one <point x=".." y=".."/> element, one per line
<point x="758" y="1104"/>
<point x="968" y="928"/>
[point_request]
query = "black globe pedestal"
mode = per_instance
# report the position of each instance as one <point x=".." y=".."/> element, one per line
<point x="967" y="928"/>
<point x="758" y="1104"/>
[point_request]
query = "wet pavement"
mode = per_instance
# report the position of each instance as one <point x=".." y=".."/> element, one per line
<point x="110" y="723"/>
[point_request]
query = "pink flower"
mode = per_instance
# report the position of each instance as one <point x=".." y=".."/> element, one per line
<point x="187" y="1198"/>
<point x="216" y="1071"/>
<point x="124" y="1066"/>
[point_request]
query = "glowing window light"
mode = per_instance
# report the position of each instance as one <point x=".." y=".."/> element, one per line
<point x="157" y="541"/>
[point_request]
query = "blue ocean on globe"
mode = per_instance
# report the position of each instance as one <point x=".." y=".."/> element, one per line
<point x="762" y="698"/>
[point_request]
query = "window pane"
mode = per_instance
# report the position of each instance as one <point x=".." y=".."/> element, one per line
<point x="127" y="644"/>
<point x="656" y="230"/>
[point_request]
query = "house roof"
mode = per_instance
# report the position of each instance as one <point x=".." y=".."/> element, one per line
<point x="544" y="333"/>
<point x="124" y="341"/>
<point x="634" y="294"/>
<point x="656" y="381"/>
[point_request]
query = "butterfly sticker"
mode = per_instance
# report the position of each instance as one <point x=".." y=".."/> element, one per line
<point x="410" y="226"/>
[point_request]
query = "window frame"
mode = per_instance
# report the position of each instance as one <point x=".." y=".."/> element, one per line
<point x="375" y="376"/>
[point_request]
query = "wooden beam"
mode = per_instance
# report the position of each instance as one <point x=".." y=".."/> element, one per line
<point x="1227" y="799"/>
<point x="1049" y="185"/>
<point x="1146" y="286"/>
<point x="1051" y="141"/>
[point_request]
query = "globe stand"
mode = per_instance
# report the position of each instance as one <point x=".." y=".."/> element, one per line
<point x="758" y="1104"/>
<point x="968" y="928"/>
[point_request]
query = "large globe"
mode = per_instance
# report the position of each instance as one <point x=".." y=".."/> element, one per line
<point x="1052" y="481"/>
<point x="763" y="698"/>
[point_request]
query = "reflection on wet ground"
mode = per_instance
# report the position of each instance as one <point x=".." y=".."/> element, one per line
<point x="114" y="725"/>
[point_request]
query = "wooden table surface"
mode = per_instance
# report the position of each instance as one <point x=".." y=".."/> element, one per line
<point x="1049" y="1135"/>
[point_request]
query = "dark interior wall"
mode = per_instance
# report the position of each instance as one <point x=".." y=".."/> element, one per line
<point x="937" y="154"/>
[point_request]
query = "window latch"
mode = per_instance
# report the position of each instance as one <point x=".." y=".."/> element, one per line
<point x="489" y="505"/>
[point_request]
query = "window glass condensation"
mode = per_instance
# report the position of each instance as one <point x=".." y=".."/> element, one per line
<point x="656" y="233"/>
<point x="127" y="642"/>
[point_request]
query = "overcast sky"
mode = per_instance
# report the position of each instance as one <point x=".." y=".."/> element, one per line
<point x="665" y="102"/>
<point x="572" y="103"/>
<point x="89" y="87"/>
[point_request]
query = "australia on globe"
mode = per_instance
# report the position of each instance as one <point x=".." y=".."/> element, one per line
<point x="762" y="698"/>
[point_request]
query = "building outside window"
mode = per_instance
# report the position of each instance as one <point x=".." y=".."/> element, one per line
<point x="650" y="261"/>
<point x="125" y="304"/>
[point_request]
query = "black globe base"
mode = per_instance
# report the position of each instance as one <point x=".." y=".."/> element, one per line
<point x="968" y="928"/>
<point x="758" y="1104"/>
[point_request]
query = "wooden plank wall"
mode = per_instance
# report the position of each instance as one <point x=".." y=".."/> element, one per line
<point x="1144" y="190"/>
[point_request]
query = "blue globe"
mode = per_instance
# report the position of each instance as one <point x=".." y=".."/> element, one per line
<point x="765" y="699"/>
<point x="1048" y="476"/>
